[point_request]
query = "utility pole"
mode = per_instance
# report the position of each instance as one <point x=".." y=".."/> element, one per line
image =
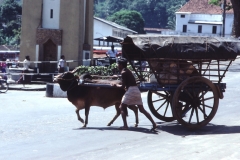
<point x="224" y="16"/>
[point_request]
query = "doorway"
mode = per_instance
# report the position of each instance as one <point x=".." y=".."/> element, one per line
<point x="49" y="54"/>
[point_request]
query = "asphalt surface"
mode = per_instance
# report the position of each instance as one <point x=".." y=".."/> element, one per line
<point x="33" y="126"/>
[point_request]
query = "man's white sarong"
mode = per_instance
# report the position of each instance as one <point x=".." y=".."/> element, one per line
<point x="132" y="96"/>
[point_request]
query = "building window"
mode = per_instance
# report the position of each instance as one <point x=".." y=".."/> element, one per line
<point x="214" y="29"/>
<point x="184" y="28"/>
<point x="51" y="13"/>
<point x="199" y="29"/>
<point x="182" y="16"/>
<point x="115" y="33"/>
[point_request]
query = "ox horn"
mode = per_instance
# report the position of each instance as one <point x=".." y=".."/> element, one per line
<point x="74" y="71"/>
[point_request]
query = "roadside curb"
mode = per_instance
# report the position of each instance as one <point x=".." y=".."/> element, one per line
<point x="28" y="87"/>
<point x="54" y="90"/>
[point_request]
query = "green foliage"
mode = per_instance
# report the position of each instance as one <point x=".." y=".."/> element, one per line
<point x="130" y="19"/>
<point x="100" y="70"/>
<point x="156" y="13"/>
<point x="214" y="2"/>
<point x="9" y="17"/>
<point x="218" y="2"/>
<point x="101" y="9"/>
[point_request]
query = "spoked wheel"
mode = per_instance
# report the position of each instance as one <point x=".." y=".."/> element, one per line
<point x="195" y="102"/>
<point x="159" y="103"/>
<point x="3" y="86"/>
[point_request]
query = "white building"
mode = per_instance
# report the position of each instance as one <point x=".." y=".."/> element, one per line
<point x="198" y="17"/>
<point x="103" y="28"/>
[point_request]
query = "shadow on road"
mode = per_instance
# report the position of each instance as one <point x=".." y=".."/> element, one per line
<point x="133" y="129"/>
<point x="177" y="129"/>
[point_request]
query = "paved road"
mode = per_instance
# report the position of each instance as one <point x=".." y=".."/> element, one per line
<point x="33" y="126"/>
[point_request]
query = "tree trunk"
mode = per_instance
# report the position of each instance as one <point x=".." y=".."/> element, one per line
<point x="236" y="23"/>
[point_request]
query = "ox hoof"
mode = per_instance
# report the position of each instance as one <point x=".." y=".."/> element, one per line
<point x="81" y="120"/>
<point x="109" y="124"/>
<point x="136" y="125"/>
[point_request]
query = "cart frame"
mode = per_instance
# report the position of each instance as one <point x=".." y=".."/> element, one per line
<point x="188" y="73"/>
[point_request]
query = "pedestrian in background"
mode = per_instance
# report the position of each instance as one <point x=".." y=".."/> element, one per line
<point x="25" y="78"/>
<point x="61" y="64"/>
<point x="112" y="54"/>
<point x="3" y="65"/>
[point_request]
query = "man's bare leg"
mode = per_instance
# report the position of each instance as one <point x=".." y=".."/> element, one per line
<point x="123" y="108"/>
<point x="142" y="110"/>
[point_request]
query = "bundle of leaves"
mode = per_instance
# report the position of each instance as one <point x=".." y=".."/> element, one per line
<point x="100" y="70"/>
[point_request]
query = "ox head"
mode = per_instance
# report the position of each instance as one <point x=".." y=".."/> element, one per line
<point x="66" y="80"/>
<point x="61" y="76"/>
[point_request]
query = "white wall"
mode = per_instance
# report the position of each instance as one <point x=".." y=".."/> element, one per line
<point x="192" y="28"/>
<point x="48" y="22"/>
<point x="181" y="21"/>
<point x="206" y="17"/>
<point x="101" y="29"/>
<point x="229" y="24"/>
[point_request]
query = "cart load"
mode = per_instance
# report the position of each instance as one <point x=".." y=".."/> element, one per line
<point x="184" y="74"/>
<point x="180" y="47"/>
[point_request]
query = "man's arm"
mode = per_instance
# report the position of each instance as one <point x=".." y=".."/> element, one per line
<point x="123" y="85"/>
<point x="107" y="54"/>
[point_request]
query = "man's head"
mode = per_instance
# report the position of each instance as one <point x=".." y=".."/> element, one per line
<point x="27" y="57"/>
<point x="112" y="46"/>
<point x="122" y="63"/>
<point x="62" y="56"/>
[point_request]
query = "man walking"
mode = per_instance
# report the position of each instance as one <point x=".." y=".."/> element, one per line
<point x="132" y="95"/>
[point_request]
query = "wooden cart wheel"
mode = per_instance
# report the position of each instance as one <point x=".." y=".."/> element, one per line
<point x="195" y="102"/>
<point x="159" y="103"/>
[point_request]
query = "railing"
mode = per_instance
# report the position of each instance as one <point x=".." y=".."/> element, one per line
<point x="14" y="73"/>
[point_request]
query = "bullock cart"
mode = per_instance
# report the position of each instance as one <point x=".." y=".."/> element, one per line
<point x="183" y="76"/>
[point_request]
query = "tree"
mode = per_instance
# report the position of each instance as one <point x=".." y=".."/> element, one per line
<point x="236" y="23"/>
<point x="100" y="10"/>
<point x="152" y="11"/>
<point x="9" y="17"/>
<point x="171" y="7"/>
<point x="114" y="6"/>
<point x="156" y="13"/>
<point x="130" y="19"/>
<point x="236" y="11"/>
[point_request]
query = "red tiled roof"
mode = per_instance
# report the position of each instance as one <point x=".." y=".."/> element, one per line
<point x="202" y="6"/>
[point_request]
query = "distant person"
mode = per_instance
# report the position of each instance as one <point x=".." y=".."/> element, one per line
<point x="26" y="78"/>
<point x="61" y="64"/>
<point x="3" y="65"/>
<point x="9" y="63"/>
<point x="112" y="54"/>
<point x="3" y="68"/>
